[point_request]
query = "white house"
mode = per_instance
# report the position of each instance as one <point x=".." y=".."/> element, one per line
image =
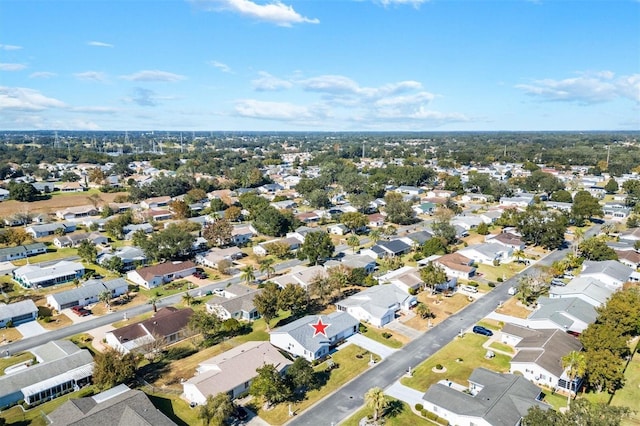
<point x="156" y="275"/>
<point x="405" y="278"/>
<point x="567" y="314"/>
<point x="215" y="255"/>
<point x="610" y="272"/>
<point x="588" y="289"/>
<point x="18" y="313"/>
<point x="377" y="305"/>
<point x="487" y="253"/>
<point x="299" y="337"/>
<point x="35" y="276"/>
<point x="87" y="293"/>
<point x="232" y="371"/>
<point x="455" y="265"/>
<point x="238" y="306"/>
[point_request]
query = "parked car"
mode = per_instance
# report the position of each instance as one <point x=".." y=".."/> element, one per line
<point x="80" y="311"/>
<point x="200" y="274"/>
<point x="478" y="329"/>
<point x="557" y="282"/>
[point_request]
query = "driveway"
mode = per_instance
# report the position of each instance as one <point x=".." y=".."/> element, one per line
<point x="372" y="346"/>
<point x="397" y="326"/>
<point x="99" y="334"/>
<point x="405" y="393"/>
<point x="31" y="328"/>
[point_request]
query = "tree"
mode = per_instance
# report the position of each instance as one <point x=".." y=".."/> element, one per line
<point x="375" y="399"/>
<point x="180" y="209"/>
<point x="320" y="287"/>
<point x="23" y="191"/>
<point x="95" y="200"/>
<point x="293" y="298"/>
<point x="519" y="255"/>
<point x="595" y="248"/>
<point x="316" y="245"/>
<point x="266" y="267"/>
<point x="15" y="236"/>
<point x="605" y="370"/>
<point x="105" y="297"/>
<point x="354" y="242"/>
<point x="195" y="195"/>
<point x="584" y="207"/>
<point x="398" y="210"/>
<point x="611" y="186"/>
<point x="270" y="221"/>
<point x="233" y="213"/>
<point x="247" y="274"/>
<point x="432" y="275"/>
<point x="266" y="302"/>
<point x="453" y="183"/>
<point x="574" y="364"/>
<point x="270" y="385"/>
<point x="374" y="235"/>
<point x="354" y="220"/>
<point x="279" y="249"/>
<point x="561" y="196"/>
<point x="218" y="233"/>
<point x="114" y="263"/>
<point x="622" y="312"/>
<point x="423" y="311"/>
<point x="208" y="325"/>
<point x="87" y="251"/>
<point x="153" y="301"/>
<point x="582" y="413"/>
<point x="301" y="375"/>
<point x="318" y="198"/>
<point x="530" y="287"/>
<point x="171" y="243"/>
<point x="441" y="225"/>
<point x="216" y="410"/>
<point x="434" y="246"/>
<point x="482" y="229"/>
<point x="113" y="367"/>
<point x="187" y="298"/>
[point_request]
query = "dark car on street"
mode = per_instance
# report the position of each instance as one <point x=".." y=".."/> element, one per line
<point x="478" y="329"/>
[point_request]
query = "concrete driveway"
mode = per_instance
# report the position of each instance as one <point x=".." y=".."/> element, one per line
<point x="397" y="326"/>
<point x="31" y="328"/>
<point x="371" y="345"/>
<point x="405" y="393"/>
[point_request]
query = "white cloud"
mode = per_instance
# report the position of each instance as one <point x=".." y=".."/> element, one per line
<point x="12" y="67"/>
<point x="23" y="99"/>
<point x="154" y="75"/>
<point x="417" y="98"/>
<point x="9" y="47"/>
<point x="95" y="109"/>
<point x="219" y="65"/>
<point x="80" y="124"/>
<point x="280" y="111"/>
<point x="99" y="44"/>
<point x="91" y="76"/>
<point x="42" y="74"/>
<point x="268" y="83"/>
<point x="275" y="12"/>
<point x="587" y="88"/>
<point x="414" y="3"/>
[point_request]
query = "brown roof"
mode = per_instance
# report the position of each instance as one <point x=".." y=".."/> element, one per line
<point x="165" y="322"/>
<point x="455" y="261"/>
<point x="165" y="268"/>
<point x="508" y="238"/>
<point x="630" y="255"/>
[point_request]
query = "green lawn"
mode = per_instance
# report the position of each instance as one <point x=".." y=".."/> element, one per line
<point x="53" y="253"/>
<point x="376" y="334"/>
<point x="400" y="414"/>
<point x="13" y="360"/>
<point x="555" y="400"/>
<point x="469" y="349"/>
<point x="502" y="347"/>
<point x="505" y="271"/>
<point x="175" y="408"/>
<point x="629" y="395"/>
<point x="349" y="366"/>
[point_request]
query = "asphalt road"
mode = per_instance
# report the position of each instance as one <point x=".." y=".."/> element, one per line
<point x="341" y="404"/>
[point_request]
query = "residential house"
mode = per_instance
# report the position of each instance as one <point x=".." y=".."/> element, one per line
<point x="338" y="229"/>
<point x="490" y="216"/>
<point x="456" y="265"/>
<point x="632" y="235"/>
<point x="487" y="253"/>
<point x="491" y="399"/>
<point x="215" y="255"/>
<point x="284" y="205"/>
<point x="630" y="258"/>
<point x="418" y="237"/>
<point x="87" y="293"/>
<point x="61" y="368"/>
<point x="74" y="240"/>
<point x="299" y="337"/>
<point x="116" y="406"/>
<point x="308" y="217"/>
<point x="523" y="201"/>
<point x="71" y="187"/>
<point x="377" y="305"/>
<point x="242" y="234"/>
<point x="232" y="371"/>
<point x="376" y="220"/>
<point x="238" y="306"/>
<point x="168" y="324"/>
<point x="155" y="215"/>
<point x="588" y="289"/>
<point x="129" y="230"/>
<point x="44" y="187"/>
<point x="424" y="208"/>
<point x="409" y="190"/>
<point x="22" y="252"/>
<point x="301" y="275"/>
<point x="262" y="249"/>
<point x="560" y="206"/>
<point x="18" y="313"/>
<point x="507" y="239"/>
<point x="610" y="272"/>
<point x="406" y="278"/>
<point x="46" y="229"/>
<point x="4" y="194"/>
<point x="301" y="233"/>
<point x="390" y="248"/>
<point x="354" y="261"/>
<point x="155" y="202"/>
<point x="36" y="276"/>
<point x="131" y="257"/>
<point x="71" y="213"/>
<point x="156" y="275"/>
<point x="567" y="314"/>
<point x="539" y="355"/>
<point x="467" y="222"/>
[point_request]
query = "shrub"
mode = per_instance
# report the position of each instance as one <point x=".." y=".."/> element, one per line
<point x="419" y="407"/>
<point x="412" y="291"/>
<point x="492" y="285"/>
<point x="362" y="328"/>
<point x="424" y="413"/>
<point x="386" y="335"/>
<point x="500" y="279"/>
<point x="473" y="284"/>
<point x="47" y="319"/>
<point x="438" y="366"/>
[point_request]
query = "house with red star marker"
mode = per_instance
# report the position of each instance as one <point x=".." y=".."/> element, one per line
<point x="314" y="336"/>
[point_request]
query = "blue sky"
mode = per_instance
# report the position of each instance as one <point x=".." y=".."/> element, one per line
<point x="320" y="65"/>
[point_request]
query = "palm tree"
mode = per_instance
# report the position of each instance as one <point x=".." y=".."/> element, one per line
<point x="578" y="235"/>
<point x="153" y="301"/>
<point x="575" y="365"/>
<point x="105" y="297"/>
<point x="374" y="235"/>
<point x="266" y="267"/>
<point x="353" y="242"/>
<point x="248" y="274"/>
<point x="423" y="310"/>
<point x="187" y="298"/>
<point x="519" y="255"/>
<point x="375" y="399"/>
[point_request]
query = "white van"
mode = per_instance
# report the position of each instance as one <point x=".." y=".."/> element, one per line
<point x="512" y="290"/>
<point x="469" y="288"/>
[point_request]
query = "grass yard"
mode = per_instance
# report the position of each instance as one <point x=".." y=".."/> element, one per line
<point x="491" y="324"/>
<point x="629" y="395"/>
<point x="504" y="271"/>
<point x="396" y="340"/>
<point x="35" y="416"/>
<point x="52" y="253"/>
<point x="57" y="322"/>
<point x="469" y="349"/>
<point x="175" y="408"/>
<point x="58" y="201"/>
<point x="502" y="347"/>
<point x="441" y="307"/>
<point x="399" y="414"/>
<point x="513" y="307"/>
<point x="349" y="366"/>
<point x="10" y="334"/>
<point x="13" y="360"/>
<point x="555" y="400"/>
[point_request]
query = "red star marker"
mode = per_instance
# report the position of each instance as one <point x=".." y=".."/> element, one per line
<point x="319" y="328"/>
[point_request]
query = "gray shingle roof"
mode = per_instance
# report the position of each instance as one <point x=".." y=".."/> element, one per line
<point x="612" y="268"/>
<point x="560" y="310"/>
<point x="546" y="348"/>
<point x="13" y="310"/>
